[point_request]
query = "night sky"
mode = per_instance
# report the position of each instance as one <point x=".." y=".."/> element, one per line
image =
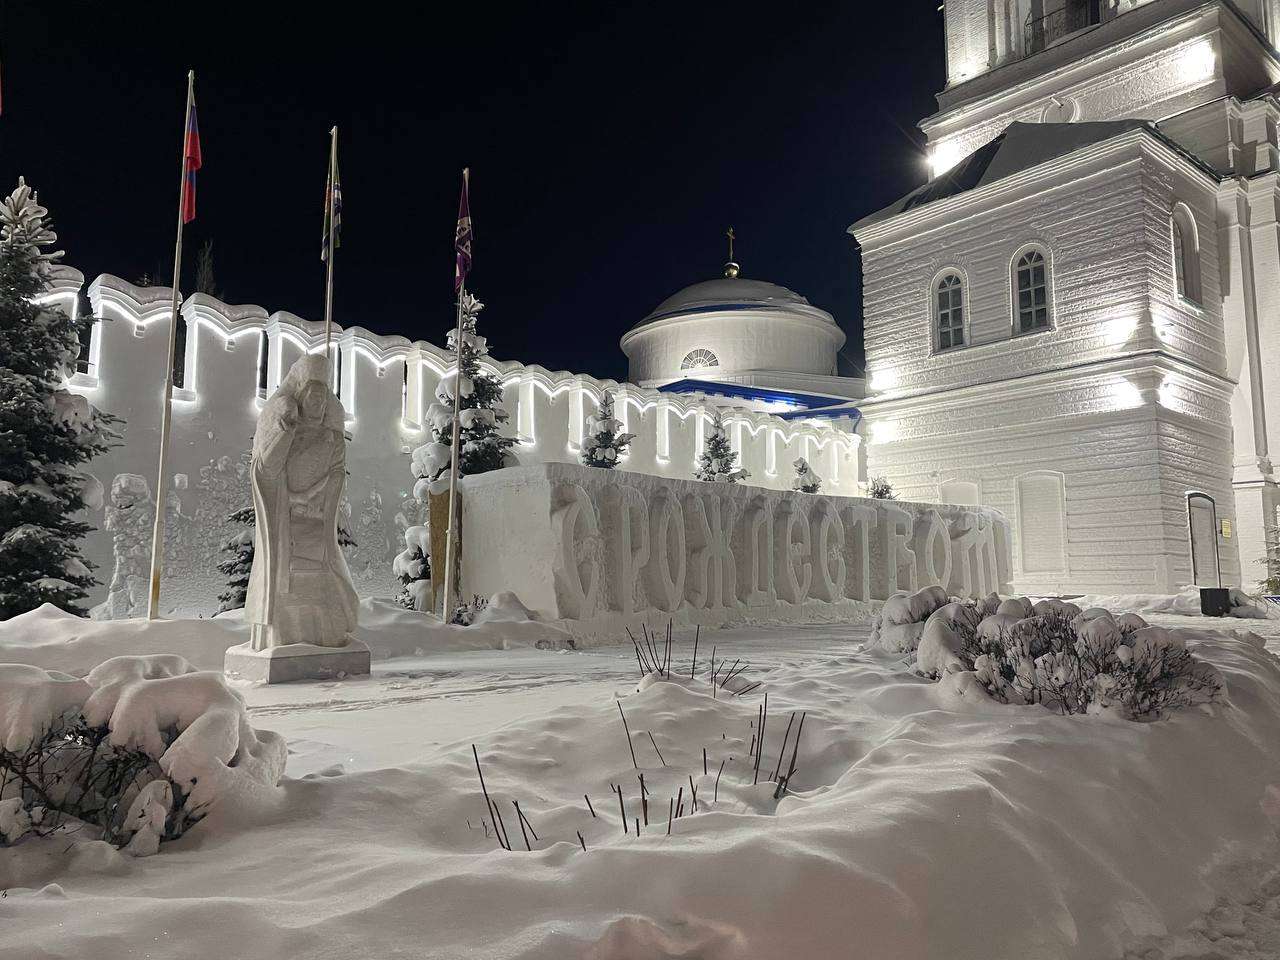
<point x="611" y="145"/>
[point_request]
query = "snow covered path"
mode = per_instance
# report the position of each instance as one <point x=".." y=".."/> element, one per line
<point x="421" y="704"/>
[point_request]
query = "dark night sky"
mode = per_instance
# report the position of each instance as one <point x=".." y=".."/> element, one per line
<point x="611" y="145"/>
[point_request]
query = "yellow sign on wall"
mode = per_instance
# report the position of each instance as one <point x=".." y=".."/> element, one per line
<point x="1226" y="529"/>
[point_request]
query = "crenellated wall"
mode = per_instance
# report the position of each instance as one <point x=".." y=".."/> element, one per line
<point x="387" y="383"/>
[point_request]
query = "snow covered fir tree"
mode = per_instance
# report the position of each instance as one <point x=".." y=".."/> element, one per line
<point x="604" y="445"/>
<point x="806" y="481"/>
<point x="482" y="447"/>
<point x="46" y="432"/>
<point x="717" y="462"/>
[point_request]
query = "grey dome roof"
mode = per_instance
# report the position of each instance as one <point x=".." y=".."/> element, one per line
<point x="725" y="293"/>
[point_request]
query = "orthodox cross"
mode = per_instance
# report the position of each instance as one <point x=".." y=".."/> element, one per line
<point x="731" y="237"/>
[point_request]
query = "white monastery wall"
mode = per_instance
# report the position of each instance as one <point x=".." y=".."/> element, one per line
<point x="386" y="385"/>
<point x="1089" y="434"/>
<point x="601" y="549"/>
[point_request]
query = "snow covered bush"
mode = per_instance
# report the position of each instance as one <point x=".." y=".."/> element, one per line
<point x="140" y="749"/>
<point x="48" y="432"/>
<point x="603" y="445"/>
<point x="717" y="462"/>
<point x="413" y="566"/>
<point x="806" y="481"/>
<point x="466" y="612"/>
<point x="880" y="489"/>
<point x="481" y="446"/>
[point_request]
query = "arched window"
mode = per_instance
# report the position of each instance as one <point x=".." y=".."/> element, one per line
<point x="701" y="357"/>
<point x="1186" y="253"/>
<point x="948" y="312"/>
<point x="1031" y="292"/>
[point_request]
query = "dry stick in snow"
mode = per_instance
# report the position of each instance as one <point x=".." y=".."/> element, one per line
<point x="782" y="787"/>
<point x="715" y="797"/>
<point x="671" y="812"/>
<point x="644" y="801"/>
<point x="628" y="730"/>
<point x="655" y="747"/>
<point x="644" y="665"/>
<point x="583" y="842"/>
<point x="489" y="803"/>
<point x="748" y="689"/>
<point x="764" y="718"/>
<point x="733" y="672"/>
<point x="527" y="821"/>
<point x="783" y="751"/>
<point x="694" y="666"/>
<point x="751" y="750"/>
<point x="679" y="802"/>
<point x="694" y="791"/>
<point x="637" y="826"/>
<point x="589" y="806"/>
<point x="704" y="761"/>
<point x="622" y="809"/>
<point x="520" y="819"/>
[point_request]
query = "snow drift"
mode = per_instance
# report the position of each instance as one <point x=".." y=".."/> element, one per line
<point x="923" y="821"/>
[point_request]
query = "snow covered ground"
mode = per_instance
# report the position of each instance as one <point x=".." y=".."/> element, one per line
<point x="921" y="824"/>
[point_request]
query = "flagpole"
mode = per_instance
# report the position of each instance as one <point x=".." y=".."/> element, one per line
<point x="328" y="281"/>
<point x="157" y="531"/>
<point x="454" y="443"/>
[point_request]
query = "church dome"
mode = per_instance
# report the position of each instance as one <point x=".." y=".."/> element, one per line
<point x="728" y="327"/>
<point x="728" y="293"/>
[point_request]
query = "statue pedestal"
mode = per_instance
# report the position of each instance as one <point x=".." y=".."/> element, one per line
<point x="296" y="661"/>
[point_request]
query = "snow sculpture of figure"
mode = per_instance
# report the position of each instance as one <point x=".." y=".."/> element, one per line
<point x="300" y="590"/>
<point x="129" y="517"/>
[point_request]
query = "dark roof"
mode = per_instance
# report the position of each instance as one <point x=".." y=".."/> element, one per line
<point x="1020" y="147"/>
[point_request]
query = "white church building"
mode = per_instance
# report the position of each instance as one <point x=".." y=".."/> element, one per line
<point x="1074" y="322"/>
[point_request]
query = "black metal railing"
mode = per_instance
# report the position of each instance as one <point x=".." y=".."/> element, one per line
<point x="1042" y="32"/>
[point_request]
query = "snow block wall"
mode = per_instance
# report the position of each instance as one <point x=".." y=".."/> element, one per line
<point x="604" y="548"/>
<point x="235" y="356"/>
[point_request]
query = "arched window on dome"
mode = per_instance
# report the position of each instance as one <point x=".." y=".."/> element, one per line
<point x="1031" y="281"/>
<point x="696" y="359"/>
<point x="1186" y="253"/>
<point x="948" y="311"/>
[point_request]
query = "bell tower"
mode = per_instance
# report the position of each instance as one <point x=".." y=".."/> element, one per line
<point x="1087" y="60"/>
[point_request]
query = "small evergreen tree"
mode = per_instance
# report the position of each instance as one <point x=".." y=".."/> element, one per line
<point x="1271" y="585"/>
<point x="880" y="489"/>
<point x="46" y="432"/>
<point x="413" y="566"/>
<point x="806" y="480"/>
<point x="717" y="461"/>
<point x="239" y="561"/>
<point x="481" y="447"/>
<point x="603" y="446"/>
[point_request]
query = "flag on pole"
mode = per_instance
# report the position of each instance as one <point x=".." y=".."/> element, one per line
<point x="462" y="239"/>
<point x="332" y="207"/>
<point x="191" y="163"/>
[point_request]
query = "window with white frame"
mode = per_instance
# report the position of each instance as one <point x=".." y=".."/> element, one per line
<point x="701" y="357"/>
<point x="948" y="311"/>
<point x="1031" y="292"/>
<point x="1186" y="253"/>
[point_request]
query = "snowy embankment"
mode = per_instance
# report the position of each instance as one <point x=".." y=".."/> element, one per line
<point x="924" y="820"/>
<point x="1186" y="603"/>
<point x="55" y="640"/>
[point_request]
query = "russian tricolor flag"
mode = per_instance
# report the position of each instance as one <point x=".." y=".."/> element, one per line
<point x="190" y="164"/>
